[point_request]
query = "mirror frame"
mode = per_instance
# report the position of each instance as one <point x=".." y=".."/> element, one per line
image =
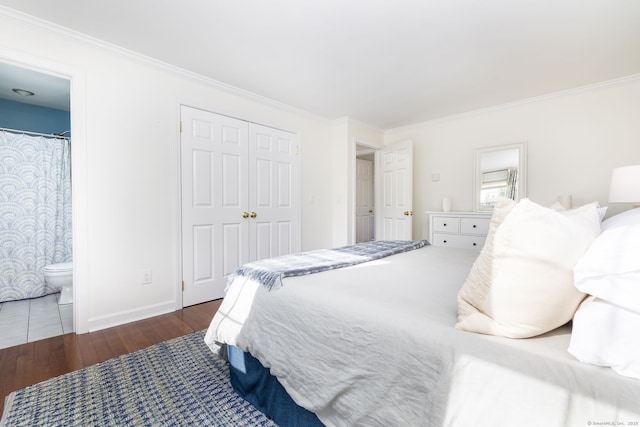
<point x="522" y="171"/>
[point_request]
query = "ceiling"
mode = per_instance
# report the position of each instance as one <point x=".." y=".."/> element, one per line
<point x="385" y="63"/>
<point x="49" y="91"/>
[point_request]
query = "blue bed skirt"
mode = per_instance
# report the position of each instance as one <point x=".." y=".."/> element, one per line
<point x="255" y="384"/>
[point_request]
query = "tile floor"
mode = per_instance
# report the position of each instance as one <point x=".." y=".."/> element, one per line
<point x="35" y="319"/>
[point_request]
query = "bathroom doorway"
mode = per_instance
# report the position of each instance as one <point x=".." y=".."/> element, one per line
<point x="35" y="126"/>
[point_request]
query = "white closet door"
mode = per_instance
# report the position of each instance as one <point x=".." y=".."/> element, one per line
<point x="273" y="192"/>
<point x="394" y="181"/>
<point x="215" y="236"/>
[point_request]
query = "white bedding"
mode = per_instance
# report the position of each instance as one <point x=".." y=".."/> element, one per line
<point x="606" y="335"/>
<point x="374" y="345"/>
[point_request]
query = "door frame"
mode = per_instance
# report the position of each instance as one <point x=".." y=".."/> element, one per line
<point x="79" y="192"/>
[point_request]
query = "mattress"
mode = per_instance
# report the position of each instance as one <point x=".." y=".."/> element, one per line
<point x="374" y="345"/>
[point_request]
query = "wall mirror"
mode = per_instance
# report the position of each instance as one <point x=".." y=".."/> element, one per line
<point x="500" y="171"/>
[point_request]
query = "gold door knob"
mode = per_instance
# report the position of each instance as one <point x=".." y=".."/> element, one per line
<point x="407" y="213"/>
<point x="370" y="211"/>
<point x="253" y="215"/>
<point x="245" y="214"/>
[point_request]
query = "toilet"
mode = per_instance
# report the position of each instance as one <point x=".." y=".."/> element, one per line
<point x="60" y="276"/>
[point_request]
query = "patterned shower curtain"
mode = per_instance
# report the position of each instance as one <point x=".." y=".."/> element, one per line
<point x="35" y="212"/>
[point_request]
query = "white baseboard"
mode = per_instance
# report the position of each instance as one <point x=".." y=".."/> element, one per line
<point x="127" y="316"/>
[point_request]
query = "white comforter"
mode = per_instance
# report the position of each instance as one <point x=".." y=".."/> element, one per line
<point x="374" y="345"/>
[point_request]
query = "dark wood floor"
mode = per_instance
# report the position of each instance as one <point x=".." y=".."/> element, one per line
<point x="27" y="364"/>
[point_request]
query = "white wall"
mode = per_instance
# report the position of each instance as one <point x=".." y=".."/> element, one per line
<point x="347" y="133"/>
<point x="131" y="115"/>
<point x="574" y="141"/>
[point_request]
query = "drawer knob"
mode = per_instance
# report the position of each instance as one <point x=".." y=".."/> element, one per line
<point x="474" y="244"/>
<point x="444" y="241"/>
<point x="445" y="224"/>
<point x="474" y="226"/>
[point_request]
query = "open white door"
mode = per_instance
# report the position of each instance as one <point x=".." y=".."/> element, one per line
<point x="215" y="235"/>
<point x="394" y="192"/>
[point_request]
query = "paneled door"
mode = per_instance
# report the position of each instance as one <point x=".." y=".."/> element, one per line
<point x="214" y="157"/>
<point x="394" y="184"/>
<point x="240" y="198"/>
<point x="364" y="200"/>
<point x="273" y="192"/>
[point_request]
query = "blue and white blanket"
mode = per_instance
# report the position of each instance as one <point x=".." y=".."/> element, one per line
<point x="270" y="272"/>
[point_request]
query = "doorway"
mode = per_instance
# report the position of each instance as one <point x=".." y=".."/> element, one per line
<point x="392" y="197"/>
<point x="365" y="194"/>
<point x="57" y="88"/>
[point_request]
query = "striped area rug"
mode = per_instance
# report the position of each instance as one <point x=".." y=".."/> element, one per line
<point x="175" y="383"/>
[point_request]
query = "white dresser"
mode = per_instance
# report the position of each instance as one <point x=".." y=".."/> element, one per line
<point x="458" y="229"/>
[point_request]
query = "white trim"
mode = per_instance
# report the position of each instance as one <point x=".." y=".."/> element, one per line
<point x="41" y="24"/>
<point x="177" y="232"/>
<point x="579" y="89"/>
<point x="80" y="209"/>
<point x="127" y="316"/>
<point x="79" y="175"/>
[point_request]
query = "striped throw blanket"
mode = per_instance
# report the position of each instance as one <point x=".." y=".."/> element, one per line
<point x="270" y="272"/>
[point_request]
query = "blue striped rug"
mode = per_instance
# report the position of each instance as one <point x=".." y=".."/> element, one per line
<point x="175" y="383"/>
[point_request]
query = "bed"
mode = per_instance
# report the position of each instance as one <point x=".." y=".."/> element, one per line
<point x="381" y="343"/>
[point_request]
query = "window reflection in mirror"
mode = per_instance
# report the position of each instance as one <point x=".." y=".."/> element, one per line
<point x="499" y="173"/>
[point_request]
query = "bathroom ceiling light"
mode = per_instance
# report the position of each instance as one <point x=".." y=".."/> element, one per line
<point x="23" y="92"/>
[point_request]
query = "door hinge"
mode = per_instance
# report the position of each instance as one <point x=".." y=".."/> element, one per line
<point x="297" y="152"/>
<point x="180" y="126"/>
<point x="183" y="286"/>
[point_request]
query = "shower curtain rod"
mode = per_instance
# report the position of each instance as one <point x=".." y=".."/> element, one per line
<point x="48" y="135"/>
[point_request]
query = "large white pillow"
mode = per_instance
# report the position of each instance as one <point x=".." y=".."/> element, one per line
<point x="478" y="281"/>
<point x="610" y="269"/>
<point x="534" y="252"/>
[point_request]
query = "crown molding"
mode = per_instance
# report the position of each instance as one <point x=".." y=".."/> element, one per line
<point x="534" y="99"/>
<point x="38" y="24"/>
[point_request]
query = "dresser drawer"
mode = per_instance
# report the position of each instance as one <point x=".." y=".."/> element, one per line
<point x="474" y="226"/>
<point x="446" y="224"/>
<point x="458" y="241"/>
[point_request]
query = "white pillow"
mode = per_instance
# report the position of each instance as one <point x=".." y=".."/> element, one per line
<point x="534" y="252"/>
<point x="610" y="269"/>
<point x="478" y="282"/>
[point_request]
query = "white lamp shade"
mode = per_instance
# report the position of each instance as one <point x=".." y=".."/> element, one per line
<point x="625" y="185"/>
